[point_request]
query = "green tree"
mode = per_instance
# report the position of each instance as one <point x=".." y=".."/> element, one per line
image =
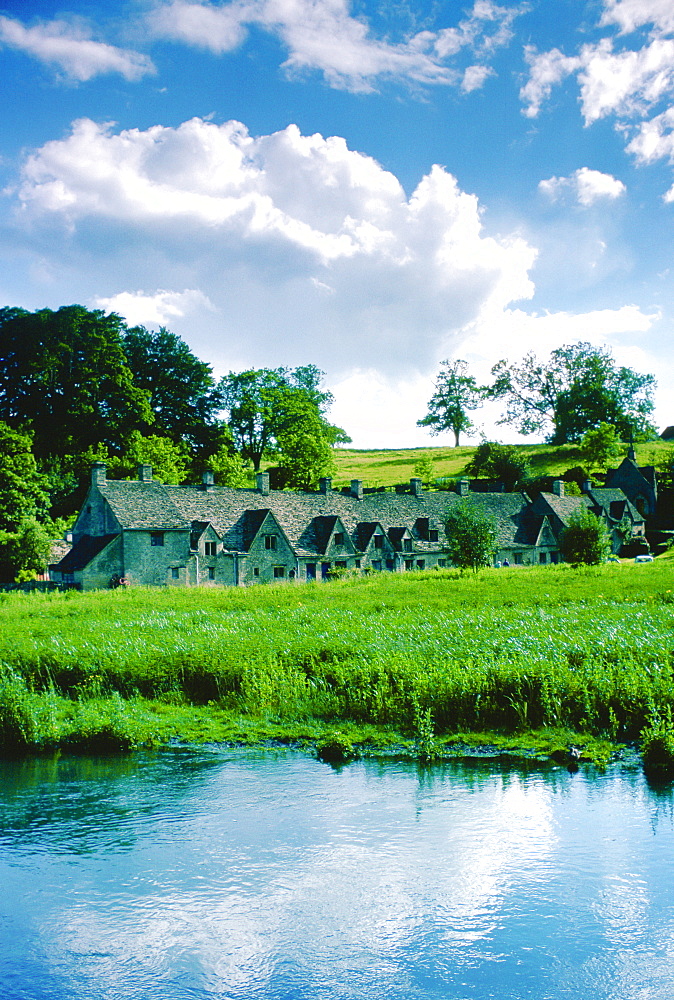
<point x="573" y="391"/>
<point x="585" y="539"/>
<point x="601" y="446"/>
<point x="65" y="375"/>
<point x="228" y="468"/>
<point x="24" y="553"/>
<point x="424" y="468"/>
<point x="183" y="396"/>
<point x="456" y="394"/>
<point x="264" y="405"/>
<point x="23" y="492"/>
<point x="169" y="461"/>
<point x="305" y="457"/>
<point x="472" y="536"/>
<point x="505" y="462"/>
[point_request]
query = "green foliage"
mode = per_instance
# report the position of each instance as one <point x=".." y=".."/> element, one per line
<point x="273" y="411"/>
<point x="657" y="742"/>
<point x="585" y="539"/>
<point x="601" y="446"/>
<point x="66" y="375"/>
<point x="577" y="388"/>
<point x="184" y="400"/>
<point x="504" y="462"/>
<point x="169" y="461"/>
<point x="305" y="457"/>
<point x="471" y="536"/>
<point x="431" y="654"/>
<point x="424" y="469"/>
<point x="229" y="469"/>
<point x="22" y="488"/>
<point x="24" y="553"/>
<point x="456" y="394"/>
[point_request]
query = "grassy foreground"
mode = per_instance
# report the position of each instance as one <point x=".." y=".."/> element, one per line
<point x="426" y="663"/>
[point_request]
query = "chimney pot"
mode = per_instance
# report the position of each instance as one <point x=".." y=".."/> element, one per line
<point x="357" y="488"/>
<point x="98" y="473"/>
<point x="325" y="485"/>
<point x="416" y="486"/>
<point x="207" y="480"/>
<point x="145" y="473"/>
<point x="262" y="483"/>
<point x="558" y="487"/>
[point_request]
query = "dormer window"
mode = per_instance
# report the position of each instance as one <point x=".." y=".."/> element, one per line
<point x="407" y="544"/>
<point x="338" y="538"/>
<point x="210" y="548"/>
<point x="270" y="542"/>
<point x="433" y="535"/>
<point x="379" y="541"/>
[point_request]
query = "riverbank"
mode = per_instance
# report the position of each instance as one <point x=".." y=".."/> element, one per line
<point x="527" y="660"/>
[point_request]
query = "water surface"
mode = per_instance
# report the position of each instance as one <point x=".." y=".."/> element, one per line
<point x="199" y="874"/>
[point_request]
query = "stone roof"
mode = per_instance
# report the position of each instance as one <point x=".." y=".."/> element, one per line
<point x="83" y="551"/>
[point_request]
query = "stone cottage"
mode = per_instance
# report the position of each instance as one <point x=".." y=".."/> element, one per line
<point x="150" y="534"/>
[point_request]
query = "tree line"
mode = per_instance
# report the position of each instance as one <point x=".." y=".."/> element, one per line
<point x="574" y="391"/>
<point x="79" y="385"/>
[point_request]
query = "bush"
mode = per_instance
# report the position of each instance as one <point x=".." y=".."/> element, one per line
<point x="585" y="539"/>
<point x="471" y="536"/>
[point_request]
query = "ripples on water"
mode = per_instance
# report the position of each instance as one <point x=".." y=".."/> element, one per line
<point x="192" y="875"/>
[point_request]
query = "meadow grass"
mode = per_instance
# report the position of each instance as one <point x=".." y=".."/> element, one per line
<point x="420" y="659"/>
<point x="388" y="467"/>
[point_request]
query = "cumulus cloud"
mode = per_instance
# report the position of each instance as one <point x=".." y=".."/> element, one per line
<point x="587" y="186"/>
<point x="632" y="14"/>
<point x="67" y="47"/>
<point x="158" y="308"/>
<point x="546" y="70"/>
<point x="326" y="37"/>
<point x="305" y="248"/>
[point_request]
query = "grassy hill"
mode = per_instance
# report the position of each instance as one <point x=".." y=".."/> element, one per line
<point x="387" y="467"/>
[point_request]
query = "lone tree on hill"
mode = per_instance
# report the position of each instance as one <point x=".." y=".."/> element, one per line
<point x="573" y="391"/>
<point x="472" y="536"/>
<point x="585" y="539"/>
<point x="456" y="393"/>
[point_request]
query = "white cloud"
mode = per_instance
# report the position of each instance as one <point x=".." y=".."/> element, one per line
<point x="632" y="14"/>
<point x="158" y="308"/>
<point x="655" y="139"/>
<point x="547" y="69"/>
<point x="327" y="38"/>
<point x="67" y="47"/>
<point x="587" y="186"/>
<point x="306" y="249"/>
<point x="474" y="77"/>
<point x="624" y="83"/>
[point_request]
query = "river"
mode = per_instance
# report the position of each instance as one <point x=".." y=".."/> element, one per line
<point x="196" y="874"/>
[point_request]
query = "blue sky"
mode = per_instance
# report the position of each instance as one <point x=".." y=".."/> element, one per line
<point x="369" y="187"/>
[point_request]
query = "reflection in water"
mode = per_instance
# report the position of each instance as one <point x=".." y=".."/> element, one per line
<point x="220" y="874"/>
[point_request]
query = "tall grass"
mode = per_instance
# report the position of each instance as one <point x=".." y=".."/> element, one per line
<point x="508" y="650"/>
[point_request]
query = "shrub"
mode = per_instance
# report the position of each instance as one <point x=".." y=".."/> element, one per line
<point x="471" y="536"/>
<point x="585" y="539"/>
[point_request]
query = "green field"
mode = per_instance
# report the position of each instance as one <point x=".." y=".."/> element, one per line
<point x="423" y="662"/>
<point x="389" y="467"/>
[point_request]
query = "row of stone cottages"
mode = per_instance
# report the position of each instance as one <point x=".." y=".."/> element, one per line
<point x="155" y="535"/>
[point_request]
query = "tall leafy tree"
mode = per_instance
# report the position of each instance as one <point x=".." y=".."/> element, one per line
<point x="265" y="405"/>
<point x="577" y="388"/>
<point x="472" y="536"/>
<point x="499" y="461"/>
<point x="456" y="394"/>
<point x="22" y="487"/>
<point x="601" y="445"/>
<point x="65" y="375"/>
<point x="183" y="396"/>
<point x="585" y="539"/>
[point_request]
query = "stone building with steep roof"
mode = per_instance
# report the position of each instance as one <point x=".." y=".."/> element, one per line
<point x="151" y="534"/>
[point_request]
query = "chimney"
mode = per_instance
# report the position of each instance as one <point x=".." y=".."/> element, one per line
<point x="98" y="473"/>
<point x="415" y="486"/>
<point x="463" y="487"/>
<point x="357" y="489"/>
<point x="558" y="486"/>
<point x="588" y="484"/>
<point x="262" y="483"/>
<point x="324" y="485"/>
<point x="144" y="473"/>
<point x="207" y="480"/>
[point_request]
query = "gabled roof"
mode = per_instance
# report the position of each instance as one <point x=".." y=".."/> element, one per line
<point x="82" y="552"/>
<point x="144" y="505"/>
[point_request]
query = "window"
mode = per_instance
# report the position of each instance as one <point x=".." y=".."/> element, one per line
<point x="339" y="538"/>
<point x="340" y="564"/>
<point x="408" y="564"/>
<point x="379" y="541"/>
<point x="518" y="558"/>
<point x="442" y="563"/>
<point x="270" y="542"/>
<point x="311" y="571"/>
<point x="390" y="565"/>
<point x="279" y="572"/>
<point x="211" y="572"/>
<point x="433" y="535"/>
<point x="376" y="564"/>
<point x="256" y="570"/>
<point x="421" y="563"/>
<point x="210" y="548"/>
<point x="357" y="563"/>
<point x="542" y="557"/>
<point x="175" y="572"/>
<point x="407" y="544"/>
<point x="156" y="538"/>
